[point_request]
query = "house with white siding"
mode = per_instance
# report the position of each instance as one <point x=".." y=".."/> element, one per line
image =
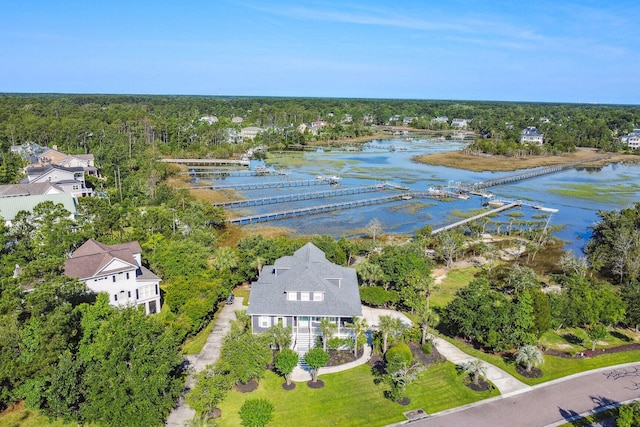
<point x="632" y="139"/>
<point x="118" y="271"/>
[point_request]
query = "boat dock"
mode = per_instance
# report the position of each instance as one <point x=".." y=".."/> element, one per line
<point x="512" y="205"/>
<point x="299" y="196"/>
<point x="264" y="185"/>
<point x="208" y="162"/>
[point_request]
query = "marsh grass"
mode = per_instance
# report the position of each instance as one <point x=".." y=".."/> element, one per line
<point x="618" y="193"/>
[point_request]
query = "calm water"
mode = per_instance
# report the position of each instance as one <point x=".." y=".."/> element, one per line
<point x="376" y="164"/>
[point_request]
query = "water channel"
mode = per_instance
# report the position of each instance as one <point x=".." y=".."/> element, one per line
<point x="578" y="194"/>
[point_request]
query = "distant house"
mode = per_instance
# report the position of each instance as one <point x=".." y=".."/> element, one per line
<point x="440" y="119"/>
<point x="299" y="290"/>
<point x="209" y="119"/>
<point x="36" y="189"/>
<point x="319" y="124"/>
<point x="407" y="120"/>
<point x="28" y="151"/>
<point x="118" y="271"/>
<point x="237" y="119"/>
<point x="459" y="123"/>
<point x="530" y="135"/>
<point x="69" y="179"/>
<point x="52" y="156"/>
<point x="632" y="139"/>
<point x="11" y="205"/>
<point x="348" y="118"/>
<point x="394" y="118"/>
<point x="250" y="132"/>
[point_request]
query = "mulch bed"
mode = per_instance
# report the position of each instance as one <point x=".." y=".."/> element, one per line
<point x="589" y="353"/>
<point x="247" y="387"/>
<point x="533" y="373"/>
<point x="315" y="384"/>
<point x="425" y="359"/>
<point x="288" y="387"/>
<point x="340" y="357"/>
<point x="404" y="401"/>
<point x="482" y="384"/>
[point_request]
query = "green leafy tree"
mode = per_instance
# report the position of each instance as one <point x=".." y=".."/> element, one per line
<point x="209" y="391"/>
<point x="596" y="333"/>
<point x="316" y="358"/>
<point x="256" y="412"/>
<point x="389" y="326"/>
<point x="245" y="356"/>
<point x="529" y="356"/>
<point x="286" y="361"/>
<point x="280" y="336"/>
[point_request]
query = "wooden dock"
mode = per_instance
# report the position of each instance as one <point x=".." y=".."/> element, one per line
<point x="208" y="162"/>
<point x="299" y="196"/>
<point x="313" y="210"/>
<point x="476" y="217"/>
<point x="264" y="185"/>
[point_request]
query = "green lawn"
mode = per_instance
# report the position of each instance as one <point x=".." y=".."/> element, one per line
<point x="351" y="398"/>
<point x="456" y="279"/>
<point x="554" y="367"/>
<point x="23" y="417"/>
<point x="576" y="340"/>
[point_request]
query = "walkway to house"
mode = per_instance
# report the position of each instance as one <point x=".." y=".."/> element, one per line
<point x="209" y="355"/>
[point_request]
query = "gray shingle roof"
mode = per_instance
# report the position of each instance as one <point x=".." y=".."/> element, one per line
<point x="306" y="271"/>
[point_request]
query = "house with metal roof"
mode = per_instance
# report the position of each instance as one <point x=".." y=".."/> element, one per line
<point x="118" y="271"/>
<point x="299" y="290"/>
<point x="10" y="206"/>
<point x="530" y="135"/>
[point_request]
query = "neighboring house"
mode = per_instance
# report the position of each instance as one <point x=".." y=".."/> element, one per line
<point x="51" y="156"/>
<point x="348" y="118"/>
<point x="632" y="139"/>
<point x="394" y="118"/>
<point x="460" y="123"/>
<point x="530" y="135"/>
<point x="118" y="271"/>
<point x="319" y="124"/>
<point x="237" y="119"/>
<point x="70" y="180"/>
<point x="250" y="132"/>
<point x="36" y="189"/>
<point x="28" y="151"/>
<point x="299" y="290"/>
<point x="407" y="120"/>
<point x="10" y="206"/>
<point x="209" y="119"/>
<point x="440" y="119"/>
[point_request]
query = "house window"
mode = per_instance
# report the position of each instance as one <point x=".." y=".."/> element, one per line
<point x="318" y="296"/>
<point x="115" y="297"/>
<point x="127" y="275"/>
<point x="292" y="296"/>
<point x="264" y="321"/>
<point x="128" y="294"/>
<point x="146" y="291"/>
<point x="113" y="278"/>
<point x="305" y="296"/>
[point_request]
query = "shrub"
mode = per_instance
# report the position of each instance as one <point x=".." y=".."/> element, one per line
<point x="397" y="355"/>
<point x="338" y="343"/>
<point x="377" y="296"/>
<point x="256" y="412"/>
<point x="427" y="347"/>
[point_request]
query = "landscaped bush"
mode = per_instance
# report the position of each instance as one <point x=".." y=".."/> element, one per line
<point x="427" y="347"/>
<point x="377" y="296"/>
<point x="338" y="343"/>
<point x="399" y="353"/>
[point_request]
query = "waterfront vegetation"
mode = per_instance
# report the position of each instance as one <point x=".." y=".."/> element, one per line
<point x="614" y="193"/>
<point x="200" y="259"/>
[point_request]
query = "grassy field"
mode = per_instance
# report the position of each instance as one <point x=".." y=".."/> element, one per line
<point x="455" y="279"/>
<point x="554" y="367"/>
<point x="351" y="398"/>
<point x="459" y="160"/>
<point x="19" y="416"/>
<point x="615" y="193"/>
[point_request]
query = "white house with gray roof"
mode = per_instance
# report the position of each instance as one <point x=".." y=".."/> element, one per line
<point x="299" y="290"/>
<point x="531" y="135"/>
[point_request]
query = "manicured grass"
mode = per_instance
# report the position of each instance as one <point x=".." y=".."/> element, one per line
<point x="456" y="279"/>
<point x="554" y="367"/>
<point x="243" y="293"/>
<point x="351" y="398"/>
<point x="576" y="339"/>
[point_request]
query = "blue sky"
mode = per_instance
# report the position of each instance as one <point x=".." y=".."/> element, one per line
<point x="548" y="51"/>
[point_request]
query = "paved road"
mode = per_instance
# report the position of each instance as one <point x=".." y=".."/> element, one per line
<point x="547" y="404"/>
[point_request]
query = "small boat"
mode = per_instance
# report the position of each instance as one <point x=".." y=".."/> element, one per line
<point x="496" y="203"/>
<point x="407" y="197"/>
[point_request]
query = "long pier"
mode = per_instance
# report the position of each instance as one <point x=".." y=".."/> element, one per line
<point x="476" y="217"/>
<point x="208" y="162"/>
<point x="264" y="185"/>
<point x="314" y="210"/>
<point x="299" y="196"/>
<point x="527" y="175"/>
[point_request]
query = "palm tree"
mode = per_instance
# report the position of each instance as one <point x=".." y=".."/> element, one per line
<point x="327" y="328"/>
<point x="225" y="258"/>
<point x="529" y="356"/>
<point x="426" y="317"/>
<point x="280" y="336"/>
<point x="475" y="368"/>
<point x="369" y="272"/>
<point x="360" y="327"/>
<point x="389" y="325"/>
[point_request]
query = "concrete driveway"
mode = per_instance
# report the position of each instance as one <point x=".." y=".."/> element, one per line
<point x="373" y="315"/>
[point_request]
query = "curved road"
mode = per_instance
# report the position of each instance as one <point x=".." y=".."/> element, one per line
<point x="558" y="401"/>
